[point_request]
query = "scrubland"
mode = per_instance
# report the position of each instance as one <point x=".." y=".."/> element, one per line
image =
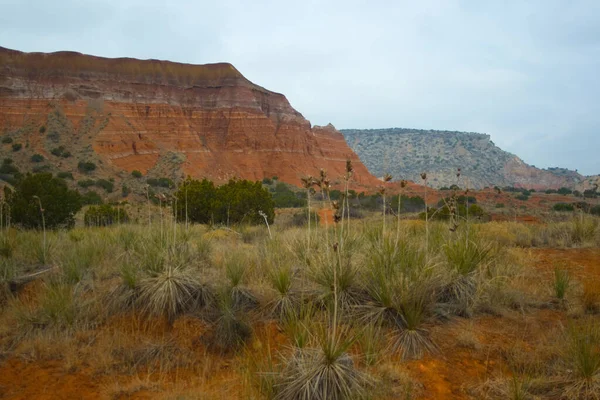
<point x="356" y="309"/>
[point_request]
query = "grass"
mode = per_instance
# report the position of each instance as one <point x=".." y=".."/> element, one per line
<point x="224" y="299"/>
<point x="583" y="357"/>
<point x="561" y="283"/>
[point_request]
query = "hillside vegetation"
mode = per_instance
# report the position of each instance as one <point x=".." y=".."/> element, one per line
<point x="405" y="153"/>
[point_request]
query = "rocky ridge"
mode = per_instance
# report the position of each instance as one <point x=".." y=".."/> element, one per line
<point x="405" y="153"/>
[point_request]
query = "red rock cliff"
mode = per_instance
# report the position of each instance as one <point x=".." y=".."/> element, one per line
<point x="130" y="114"/>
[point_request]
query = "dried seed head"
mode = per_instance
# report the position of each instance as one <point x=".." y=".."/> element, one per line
<point x="349" y="167"/>
<point x="335" y="247"/>
<point x="387" y="178"/>
<point x="423" y="175"/>
<point x="381" y="190"/>
<point x="335" y="204"/>
<point x="337" y="218"/>
<point x="323" y="174"/>
<point x="403" y="183"/>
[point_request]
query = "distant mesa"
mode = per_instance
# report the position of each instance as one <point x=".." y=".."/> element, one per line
<point x="161" y="118"/>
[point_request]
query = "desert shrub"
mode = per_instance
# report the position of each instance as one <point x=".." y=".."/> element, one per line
<point x="8" y="167"/>
<point x="60" y="152"/>
<point x="58" y="202"/>
<point x="65" y="175"/>
<point x="235" y="202"/>
<point x="104" y="184"/>
<point x="499" y="205"/>
<point x="125" y="190"/>
<point x="284" y="197"/>
<point x="160" y="182"/>
<point x="7" y="140"/>
<point x="105" y="215"/>
<point x="36" y="158"/>
<point x="91" y="198"/>
<point x="86" y="183"/>
<point x="16" y="147"/>
<point x="522" y="197"/>
<point x="564" y="191"/>
<point x="267" y="181"/>
<point x="563" y="207"/>
<point x="86" y="166"/>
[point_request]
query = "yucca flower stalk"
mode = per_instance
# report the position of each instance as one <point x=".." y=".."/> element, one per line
<point x="424" y="178"/>
<point x="307" y="183"/>
<point x="402" y="186"/>
<point x="43" y="228"/>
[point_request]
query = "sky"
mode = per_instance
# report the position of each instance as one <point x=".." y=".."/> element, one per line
<point x="525" y="72"/>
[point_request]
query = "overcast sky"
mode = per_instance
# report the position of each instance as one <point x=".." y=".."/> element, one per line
<point x="525" y="72"/>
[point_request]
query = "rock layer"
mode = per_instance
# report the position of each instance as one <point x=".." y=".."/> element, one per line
<point x="201" y="120"/>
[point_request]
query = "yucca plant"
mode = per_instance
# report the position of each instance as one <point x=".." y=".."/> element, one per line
<point x="230" y="329"/>
<point x="326" y="372"/>
<point x="402" y="304"/>
<point x="583" y="355"/>
<point x="328" y="274"/>
<point x="168" y="292"/>
<point x="235" y="270"/>
<point x="286" y="300"/>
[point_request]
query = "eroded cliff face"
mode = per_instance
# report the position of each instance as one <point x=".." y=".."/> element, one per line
<point x="161" y="117"/>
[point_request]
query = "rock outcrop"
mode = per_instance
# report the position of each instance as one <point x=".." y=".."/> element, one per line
<point x="162" y="118"/>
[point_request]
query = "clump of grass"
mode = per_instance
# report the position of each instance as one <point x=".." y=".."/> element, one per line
<point x="286" y="300"/>
<point x="466" y="260"/>
<point x="230" y="330"/>
<point x="583" y="356"/>
<point x="561" y="282"/>
<point x="345" y="279"/>
<point x="583" y="229"/>
<point x="402" y="302"/>
<point x="323" y="372"/>
<point x="235" y="270"/>
<point x="168" y="292"/>
<point x="8" y="271"/>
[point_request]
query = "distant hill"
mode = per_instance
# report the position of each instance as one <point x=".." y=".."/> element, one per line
<point x="405" y="153"/>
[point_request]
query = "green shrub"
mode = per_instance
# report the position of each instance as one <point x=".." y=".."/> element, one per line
<point x="86" y="166"/>
<point x="86" y="183"/>
<point x="136" y="174"/>
<point x="235" y="202"/>
<point x="104" y="184"/>
<point x="60" y="152"/>
<point x="105" y="215"/>
<point x="16" y="147"/>
<point x="499" y="205"/>
<point x="564" y="191"/>
<point x="284" y="197"/>
<point x="36" y="158"/>
<point x="65" y="175"/>
<point x="7" y="139"/>
<point x="42" y="129"/>
<point x="160" y="182"/>
<point x="125" y="190"/>
<point x="563" y="207"/>
<point x="522" y="197"/>
<point x="58" y="202"/>
<point x="90" y="198"/>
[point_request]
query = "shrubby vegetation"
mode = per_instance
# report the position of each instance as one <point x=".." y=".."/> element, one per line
<point x="57" y="202"/>
<point x="238" y="201"/>
<point x="105" y="215"/>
